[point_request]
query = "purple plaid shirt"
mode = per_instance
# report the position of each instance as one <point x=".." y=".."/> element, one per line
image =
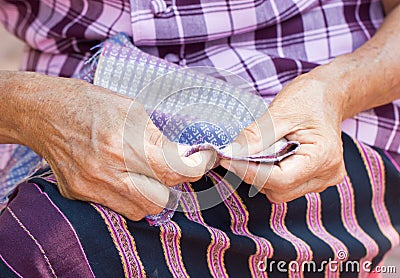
<point x="268" y="43"/>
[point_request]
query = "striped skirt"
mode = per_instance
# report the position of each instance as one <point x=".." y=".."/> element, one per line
<point x="344" y="231"/>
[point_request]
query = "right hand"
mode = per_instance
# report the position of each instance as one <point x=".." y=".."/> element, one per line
<point x="103" y="147"/>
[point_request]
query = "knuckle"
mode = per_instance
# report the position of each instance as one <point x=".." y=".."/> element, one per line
<point x="281" y="189"/>
<point x="136" y="216"/>
<point x="155" y="210"/>
<point x="169" y="178"/>
<point x="199" y="172"/>
<point x="338" y="175"/>
<point x="155" y="137"/>
<point x="95" y="167"/>
<point x="249" y="177"/>
<point x="64" y="192"/>
<point x="113" y="142"/>
<point x="316" y="155"/>
<point x="276" y="198"/>
<point x="125" y="189"/>
<point x="152" y="161"/>
<point x="288" y="182"/>
<point x="72" y="191"/>
<point x="338" y="179"/>
<point x="129" y="188"/>
<point x="337" y="161"/>
<point x="190" y="179"/>
<point x="321" y="188"/>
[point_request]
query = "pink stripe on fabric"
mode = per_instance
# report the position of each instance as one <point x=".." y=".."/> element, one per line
<point x="314" y="222"/>
<point x="129" y="244"/>
<point x="46" y="229"/>
<point x="388" y="227"/>
<point x="232" y="201"/>
<point x="351" y="224"/>
<point x="219" y="240"/>
<point x="117" y="239"/>
<point x="277" y="223"/>
<point x="31" y="263"/>
<point x="131" y="252"/>
<point x="70" y="225"/>
<point x="378" y="191"/>
<point x="10" y="267"/>
<point x="128" y="251"/>
<point x="37" y="243"/>
<point x="170" y="237"/>
<point x="9" y="16"/>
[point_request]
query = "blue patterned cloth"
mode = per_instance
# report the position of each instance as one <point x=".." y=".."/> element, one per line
<point x="21" y="164"/>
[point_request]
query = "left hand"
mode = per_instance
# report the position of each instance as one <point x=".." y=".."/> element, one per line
<point x="308" y="110"/>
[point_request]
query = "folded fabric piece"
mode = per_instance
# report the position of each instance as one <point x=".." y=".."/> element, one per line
<point x="200" y="107"/>
<point x="276" y="153"/>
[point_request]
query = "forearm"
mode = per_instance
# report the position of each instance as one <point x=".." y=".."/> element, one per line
<point x="14" y="116"/>
<point x="29" y="103"/>
<point x="368" y="77"/>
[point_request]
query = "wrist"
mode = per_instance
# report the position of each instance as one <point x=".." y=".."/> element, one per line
<point x="322" y="85"/>
<point x="364" y="79"/>
<point x="344" y="84"/>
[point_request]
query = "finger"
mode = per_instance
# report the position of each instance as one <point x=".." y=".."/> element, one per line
<point x="170" y="166"/>
<point x="140" y="135"/>
<point x="307" y="164"/>
<point x="255" y="137"/>
<point x="287" y="175"/>
<point x="138" y="197"/>
<point x="252" y="173"/>
<point x="196" y="164"/>
<point x="314" y="185"/>
<point x="295" y="170"/>
<point x="260" y="135"/>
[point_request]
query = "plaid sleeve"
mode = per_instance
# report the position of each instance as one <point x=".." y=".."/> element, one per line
<point x="60" y="34"/>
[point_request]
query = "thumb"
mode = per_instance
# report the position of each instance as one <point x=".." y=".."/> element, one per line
<point x="173" y="167"/>
<point x="194" y="165"/>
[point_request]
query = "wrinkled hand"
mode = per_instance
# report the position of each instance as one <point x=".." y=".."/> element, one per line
<point x="103" y="148"/>
<point x="306" y="110"/>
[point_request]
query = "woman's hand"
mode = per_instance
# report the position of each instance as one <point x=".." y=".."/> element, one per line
<point x="307" y="110"/>
<point x="310" y="110"/>
<point x="101" y="146"/>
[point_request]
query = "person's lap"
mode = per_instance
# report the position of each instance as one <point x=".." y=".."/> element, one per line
<point x="43" y="234"/>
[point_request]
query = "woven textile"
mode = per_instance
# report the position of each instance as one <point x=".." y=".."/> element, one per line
<point x="354" y="223"/>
